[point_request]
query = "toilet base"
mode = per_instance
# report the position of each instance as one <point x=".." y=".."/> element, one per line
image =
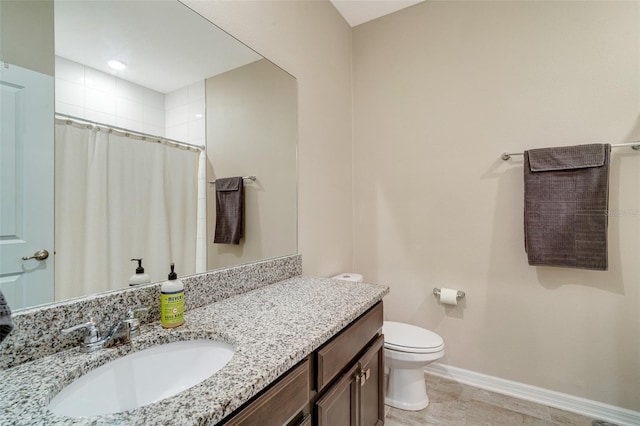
<point x="401" y="405"/>
<point x="407" y="389"/>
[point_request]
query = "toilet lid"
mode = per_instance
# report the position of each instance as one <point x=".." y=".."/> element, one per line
<point x="410" y="338"/>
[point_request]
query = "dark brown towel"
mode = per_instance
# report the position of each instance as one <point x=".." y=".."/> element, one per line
<point x="566" y="197"/>
<point x="229" y="210"/>
<point x="6" y="325"/>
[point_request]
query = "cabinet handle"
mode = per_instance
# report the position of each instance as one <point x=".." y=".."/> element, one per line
<point x="362" y="376"/>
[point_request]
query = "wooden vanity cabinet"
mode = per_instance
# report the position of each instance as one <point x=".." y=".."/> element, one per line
<point x="356" y="398"/>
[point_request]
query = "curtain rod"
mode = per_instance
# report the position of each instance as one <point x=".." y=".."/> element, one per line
<point x="70" y="119"/>
<point x="635" y="145"/>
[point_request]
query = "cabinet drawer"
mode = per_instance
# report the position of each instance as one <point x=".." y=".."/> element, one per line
<point x="277" y="405"/>
<point x="334" y="356"/>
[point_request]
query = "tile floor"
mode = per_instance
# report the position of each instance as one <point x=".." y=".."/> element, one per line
<point x="455" y="404"/>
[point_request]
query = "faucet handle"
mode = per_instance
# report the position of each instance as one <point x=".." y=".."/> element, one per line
<point x="91" y="335"/>
<point x="132" y="319"/>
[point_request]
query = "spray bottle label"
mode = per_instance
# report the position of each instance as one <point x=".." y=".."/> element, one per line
<point x="172" y="308"/>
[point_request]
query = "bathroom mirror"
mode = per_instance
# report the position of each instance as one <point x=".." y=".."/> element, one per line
<point x="185" y="80"/>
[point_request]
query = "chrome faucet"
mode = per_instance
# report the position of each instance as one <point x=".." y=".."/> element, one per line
<point x="120" y="333"/>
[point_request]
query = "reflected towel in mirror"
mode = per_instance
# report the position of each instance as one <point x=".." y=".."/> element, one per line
<point x="229" y="210"/>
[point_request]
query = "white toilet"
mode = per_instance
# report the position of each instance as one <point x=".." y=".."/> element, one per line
<point x="407" y="350"/>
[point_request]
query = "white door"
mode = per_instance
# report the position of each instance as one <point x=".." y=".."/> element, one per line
<point x="26" y="185"/>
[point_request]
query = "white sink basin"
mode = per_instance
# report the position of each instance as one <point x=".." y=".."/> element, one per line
<point x="142" y="378"/>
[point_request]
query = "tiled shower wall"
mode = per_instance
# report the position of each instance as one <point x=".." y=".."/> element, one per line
<point x="97" y="96"/>
<point x="87" y="93"/>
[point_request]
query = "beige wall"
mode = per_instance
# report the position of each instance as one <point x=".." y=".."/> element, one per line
<point x="30" y="23"/>
<point x="440" y="90"/>
<point x="264" y="96"/>
<point x="311" y="41"/>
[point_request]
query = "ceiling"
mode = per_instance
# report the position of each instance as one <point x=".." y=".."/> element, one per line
<point x="357" y="12"/>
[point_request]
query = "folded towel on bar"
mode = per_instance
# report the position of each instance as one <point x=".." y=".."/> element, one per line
<point x="566" y="200"/>
<point x="229" y="210"/>
<point x="6" y="325"/>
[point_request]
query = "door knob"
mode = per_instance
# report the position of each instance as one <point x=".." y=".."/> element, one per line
<point x="39" y="255"/>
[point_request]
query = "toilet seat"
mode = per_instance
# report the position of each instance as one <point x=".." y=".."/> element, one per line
<point x="409" y="338"/>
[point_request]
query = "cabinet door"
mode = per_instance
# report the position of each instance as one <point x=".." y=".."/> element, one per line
<point x="339" y="406"/>
<point x="371" y="370"/>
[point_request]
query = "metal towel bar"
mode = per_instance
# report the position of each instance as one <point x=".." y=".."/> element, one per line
<point x="635" y="145"/>
<point x="251" y="178"/>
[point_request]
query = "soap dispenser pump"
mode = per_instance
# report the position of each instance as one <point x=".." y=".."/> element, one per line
<point x="172" y="301"/>
<point x="139" y="277"/>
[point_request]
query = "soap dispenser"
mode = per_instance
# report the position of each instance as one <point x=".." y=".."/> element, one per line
<point x="172" y="301"/>
<point x="139" y="277"/>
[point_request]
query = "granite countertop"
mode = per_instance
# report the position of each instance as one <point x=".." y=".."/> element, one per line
<point x="272" y="329"/>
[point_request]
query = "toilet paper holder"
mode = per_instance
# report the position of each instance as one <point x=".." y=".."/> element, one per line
<point x="460" y="295"/>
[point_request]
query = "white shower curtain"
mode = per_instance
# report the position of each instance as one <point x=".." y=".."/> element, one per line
<point x="116" y="199"/>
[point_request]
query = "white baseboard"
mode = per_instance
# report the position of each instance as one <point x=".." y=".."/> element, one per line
<point x="562" y="401"/>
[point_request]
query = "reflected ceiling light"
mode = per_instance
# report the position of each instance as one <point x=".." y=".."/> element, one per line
<point x="117" y="64"/>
